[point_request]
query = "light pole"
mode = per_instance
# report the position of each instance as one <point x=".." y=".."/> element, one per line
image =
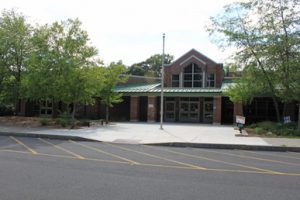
<point x="162" y="85"/>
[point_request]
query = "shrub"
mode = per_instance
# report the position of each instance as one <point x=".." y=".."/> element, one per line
<point x="64" y="119"/>
<point x="259" y="130"/>
<point x="63" y="122"/>
<point x="44" y="121"/>
<point x="252" y="125"/>
<point x="267" y="125"/>
<point x="291" y="125"/>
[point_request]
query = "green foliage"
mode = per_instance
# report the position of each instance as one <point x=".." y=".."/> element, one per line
<point x="267" y="125"/>
<point x="151" y="66"/>
<point x="63" y="66"/>
<point x="44" y="121"/>
<point x="15" y="48"/>
<point x="289" y="129"/>
<point x="259" y="130"/>
<point x="266" y="37"/>
<point x="64" y="119"/>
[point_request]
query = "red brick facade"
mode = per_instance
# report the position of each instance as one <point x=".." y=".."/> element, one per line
<point x="207" y="65"/>
<point x="134" y="108"/>
<point x="152" y="109"/>
<point x="217" y="113"/>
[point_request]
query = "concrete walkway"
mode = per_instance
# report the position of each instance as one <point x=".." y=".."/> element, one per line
<point x="150" y="133"/>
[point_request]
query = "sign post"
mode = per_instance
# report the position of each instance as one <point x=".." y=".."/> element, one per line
<point x="240" y="122"/>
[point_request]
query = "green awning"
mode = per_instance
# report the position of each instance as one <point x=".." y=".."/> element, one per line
<point x="154" y="90"/>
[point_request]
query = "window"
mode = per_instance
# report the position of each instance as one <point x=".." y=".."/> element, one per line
<point x="192" y="76"/>
<point x="210" y="80"/>
<point x="46" y="108"/>
<point x="175" y="80"/>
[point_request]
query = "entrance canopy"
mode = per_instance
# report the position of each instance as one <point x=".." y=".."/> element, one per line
<point x="154" y="90"/>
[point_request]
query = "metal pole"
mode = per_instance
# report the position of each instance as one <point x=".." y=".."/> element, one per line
<point x="162" y="85"/>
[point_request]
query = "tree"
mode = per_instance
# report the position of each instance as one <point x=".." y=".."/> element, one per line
<point x="265" y="34"/>
<point x="15" y="48"/>
<point x="61" y="66"/>
<point x="151" y="66"/>
<point x="113" y="74"/>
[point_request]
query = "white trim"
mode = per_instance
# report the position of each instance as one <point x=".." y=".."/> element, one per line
<point x="193" y="56"/>
<point x="181" y="79"/>
<point x="197" y="53"/>
<point x="203" y="79"/>
<point x="215" y="79"/>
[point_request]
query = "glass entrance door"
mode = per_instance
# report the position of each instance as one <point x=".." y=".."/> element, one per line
<point x="189" y="111"/>
<point x="170" y="111"/>
<point x="208" y="111"/>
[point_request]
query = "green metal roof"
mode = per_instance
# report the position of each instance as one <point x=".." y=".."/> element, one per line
<point x="136" y="87"/>
<point x="154" y="90"/>
<point x="144" y="89"/>
<point x="226" y="84"/>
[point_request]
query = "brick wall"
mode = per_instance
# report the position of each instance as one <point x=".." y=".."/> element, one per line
<point x="134" y="108"/>
<point x="194" y="56"/>
<point x="217" y="110"/>
<point x="152" y="109"/>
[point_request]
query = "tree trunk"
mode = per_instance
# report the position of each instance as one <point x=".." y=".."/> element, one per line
<point x="275" y="102"/>
<point x="107" y="114"/>
<point x="298" y="115"/>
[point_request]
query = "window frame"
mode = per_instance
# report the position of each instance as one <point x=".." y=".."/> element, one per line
<point x="175" y="81"/>
<point x="209" y="82"/>
<point x="192" y="82"/>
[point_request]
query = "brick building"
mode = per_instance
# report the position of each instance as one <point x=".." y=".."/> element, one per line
<point x="193" y="92"/>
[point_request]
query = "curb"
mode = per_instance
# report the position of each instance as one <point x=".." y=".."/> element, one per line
<point x="47" y="136"/>
<point x="170" y="144"/>
<point x="229" y="146"/>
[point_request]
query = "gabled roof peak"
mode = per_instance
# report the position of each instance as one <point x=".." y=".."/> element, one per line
<point x="195" y="53"/>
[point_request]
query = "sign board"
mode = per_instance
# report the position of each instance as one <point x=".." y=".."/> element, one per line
<point x="287" y="119"/>
<point x="151" y="106"/>
<point x="240" y="119"/>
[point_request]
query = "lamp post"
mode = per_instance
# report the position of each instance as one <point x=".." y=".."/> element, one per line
<point x="162" y="85"/>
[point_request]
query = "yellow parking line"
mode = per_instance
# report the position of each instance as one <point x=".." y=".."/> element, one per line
<point x="215" y="160"/>
<point x="15" y="151"/>
<point x="152" y="165"/>
<point x="24" y="145"/>
<point x="107" y="153"/>
<point x="251" y="157"/>
<point x="159" y="157"/>
<point x="276" y="155"/>
<point x="62" y="149"/>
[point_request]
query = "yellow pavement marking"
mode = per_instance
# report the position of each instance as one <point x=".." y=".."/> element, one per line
<point x="24" y="145"/>
<point x="15" y="151"/>
<point x="276" y="155"/>
<point x="215" y="160"/>
<point x="152" y="165"/>
<point x="251" y="157"/>
<point x="64" y="156"/>
<point x="107" y="153"/>
<point x="159" y="157"/>
<point x="63" y="149"/>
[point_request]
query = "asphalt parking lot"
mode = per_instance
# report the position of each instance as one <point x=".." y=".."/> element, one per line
<point x="231" y="171"/>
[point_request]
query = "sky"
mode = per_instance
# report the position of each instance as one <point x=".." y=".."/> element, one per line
<point x="131" y="30"/>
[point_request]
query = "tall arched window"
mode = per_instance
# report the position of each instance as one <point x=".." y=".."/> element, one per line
<point x="192" y="76"/>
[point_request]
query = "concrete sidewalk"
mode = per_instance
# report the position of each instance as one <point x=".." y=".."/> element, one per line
<point x="150" y="133"/>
